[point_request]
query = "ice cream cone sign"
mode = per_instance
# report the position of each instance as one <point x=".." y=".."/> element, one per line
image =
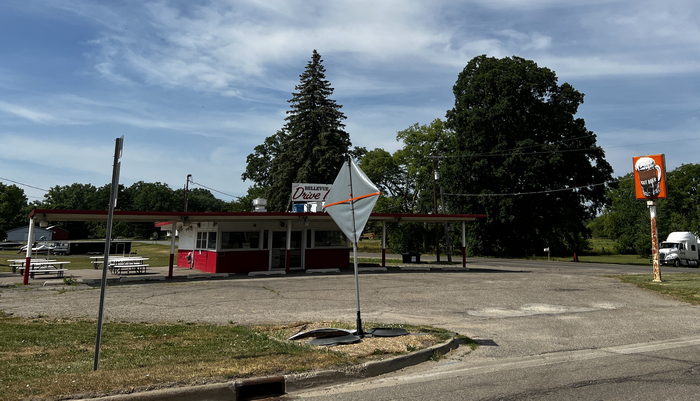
<point x="650" y="176"/>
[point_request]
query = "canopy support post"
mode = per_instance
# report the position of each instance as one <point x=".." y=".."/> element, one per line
<point x="28" y="258"/>
<point x="172" y="249"/>
<point x="383" y="244"/>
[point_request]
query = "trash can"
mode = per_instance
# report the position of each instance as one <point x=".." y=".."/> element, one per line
<point x="410" y="257"/>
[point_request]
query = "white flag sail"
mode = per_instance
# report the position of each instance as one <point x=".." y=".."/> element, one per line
<point x="349" y="203"/>
<point x="351" y="200"/>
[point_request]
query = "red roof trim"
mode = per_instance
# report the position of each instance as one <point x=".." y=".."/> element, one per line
<point x="161" y="216"/>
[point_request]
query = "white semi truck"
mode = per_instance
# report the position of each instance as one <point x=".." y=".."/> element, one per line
<point x="680" y="249"/>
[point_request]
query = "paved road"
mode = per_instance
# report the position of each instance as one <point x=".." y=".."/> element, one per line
<point x="551" y="330"/>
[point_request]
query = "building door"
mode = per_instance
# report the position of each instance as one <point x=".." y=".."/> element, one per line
<point x="279" y="247"/>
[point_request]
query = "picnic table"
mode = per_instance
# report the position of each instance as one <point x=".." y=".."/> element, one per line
<point x="38" y="266"/>
<point x="122" y="264"/>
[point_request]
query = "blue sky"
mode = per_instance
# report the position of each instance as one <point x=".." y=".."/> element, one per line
<point x="194" y="85"/>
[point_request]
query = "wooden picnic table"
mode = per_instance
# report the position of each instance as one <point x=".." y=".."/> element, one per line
<point x="97" y="261"/>
<point x="17" y="263"/>
<point x="43" y="267"/>
<point x="125" y="264"/>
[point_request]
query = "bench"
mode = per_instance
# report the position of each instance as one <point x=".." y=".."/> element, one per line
<point x="128" y="268"/>
<point x="33" y="272"/>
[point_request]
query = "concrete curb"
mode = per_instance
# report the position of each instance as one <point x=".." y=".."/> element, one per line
<point x="308" y="380"/>
<point x="216" y="391"/>
<point x="267" y="273"/>
<point x="414" y="268"/>
<point x="371" y="269"/>
<point x="322" y="271"/>
<point x="229" y="390"/>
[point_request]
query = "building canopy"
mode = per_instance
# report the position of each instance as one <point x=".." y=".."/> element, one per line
<point x="196" y="217"/>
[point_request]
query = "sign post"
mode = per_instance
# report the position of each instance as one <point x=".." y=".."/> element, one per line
<point x="110" y="215"/>
<point x="650" y="184"/>
<point x="349" y="203"/>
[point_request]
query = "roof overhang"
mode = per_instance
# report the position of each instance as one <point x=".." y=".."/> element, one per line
<point x="194" y="217"/>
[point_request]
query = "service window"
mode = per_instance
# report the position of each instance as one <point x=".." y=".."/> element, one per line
<point x="240" y="240"/>
<point x="329" y="238"/>
<point x="206" y="240"/>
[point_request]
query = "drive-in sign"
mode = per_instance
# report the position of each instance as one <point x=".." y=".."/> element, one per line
<point x="309" y="192"/>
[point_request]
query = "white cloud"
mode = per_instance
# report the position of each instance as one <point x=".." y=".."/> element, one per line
<point x="26" y="113"/>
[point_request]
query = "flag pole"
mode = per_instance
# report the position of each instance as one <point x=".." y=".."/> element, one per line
<point x="359" y="331"/>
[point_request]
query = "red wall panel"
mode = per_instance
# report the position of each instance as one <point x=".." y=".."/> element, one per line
<point x="242" y="261"/>
<point x="338" y="258"/>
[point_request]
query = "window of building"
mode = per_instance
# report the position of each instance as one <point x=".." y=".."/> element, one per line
<point x="240" y="240"/>
<point x="329" y="238"/>
<point x="206" y="240"/>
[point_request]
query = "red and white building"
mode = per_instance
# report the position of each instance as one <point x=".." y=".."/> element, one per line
<point x="243" y="242"/>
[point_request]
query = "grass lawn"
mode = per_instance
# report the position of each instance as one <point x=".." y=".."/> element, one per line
<point x="48" y="359"/>
<point x="682" y="286"/>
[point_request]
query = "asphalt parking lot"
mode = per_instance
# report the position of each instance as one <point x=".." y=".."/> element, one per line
<point x="549" y="330"/>
<point x="524" y="307"/>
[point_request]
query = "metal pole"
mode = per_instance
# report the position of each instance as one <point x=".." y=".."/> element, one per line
<point x="464" y="245"/>
<point x="448" y="243"/>
<point x="656" y="270"/>
<point x="354" y="254"/>
<point x="187" y="188"/>
<point x="172" y="249"/>
<point x="28" y="254"/>
<point x="437" y="238"/>
<point x="383" y="244"/>
<point x="288" y="248"/>
<point x="110" y="216"/>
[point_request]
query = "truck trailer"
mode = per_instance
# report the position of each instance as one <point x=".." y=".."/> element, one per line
<point x="680" y="249"/>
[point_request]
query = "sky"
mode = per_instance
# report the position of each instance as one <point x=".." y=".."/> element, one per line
<point x="194" y="86"/>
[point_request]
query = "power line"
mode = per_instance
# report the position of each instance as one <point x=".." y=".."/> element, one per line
<point x="515" y="151"/>
<point x="23" y="184"/>
<point x="212" y="189"/>
<point x="538" y="192"/>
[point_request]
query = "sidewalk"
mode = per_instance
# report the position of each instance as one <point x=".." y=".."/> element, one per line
<point x="93" y="277"/>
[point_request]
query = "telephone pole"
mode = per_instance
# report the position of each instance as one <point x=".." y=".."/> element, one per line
<point x="187" y="188"/>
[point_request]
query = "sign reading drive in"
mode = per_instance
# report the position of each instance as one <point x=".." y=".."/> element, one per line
<point x="650" y="176"/>
<point x="309" y="192"/>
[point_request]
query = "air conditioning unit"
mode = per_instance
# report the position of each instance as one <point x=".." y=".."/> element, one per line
<point x="260" y="205"/>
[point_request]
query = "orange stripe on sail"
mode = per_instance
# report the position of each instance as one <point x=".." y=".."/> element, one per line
<point x="352" y="199"/>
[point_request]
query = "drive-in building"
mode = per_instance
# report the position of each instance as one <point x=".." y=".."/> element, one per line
<point x="241" y="242"/>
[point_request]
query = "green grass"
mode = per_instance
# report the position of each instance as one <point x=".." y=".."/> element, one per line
<point x="48" y="359"/>
<point x="52" y="359"/>
<point x="602" y="246"/>
<point x="681" y="286"/>
<point x="369" y="245"/>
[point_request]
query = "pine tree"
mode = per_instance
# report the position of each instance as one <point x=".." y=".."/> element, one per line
<point x="309" y="148"/>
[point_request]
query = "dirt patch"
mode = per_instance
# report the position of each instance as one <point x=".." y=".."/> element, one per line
<point x="369" y="348"/>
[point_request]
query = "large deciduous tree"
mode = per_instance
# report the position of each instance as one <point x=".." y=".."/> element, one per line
<point x="13" y="204"/>
<point x="514" y="131"/>
<point x="309" y="148"/>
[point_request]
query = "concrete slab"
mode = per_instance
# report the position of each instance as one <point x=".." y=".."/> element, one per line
<point x="371" y="269"/>
<point x="267" y="273"/>
<point x="322" y="271"/>
<point x="414" y="268"/>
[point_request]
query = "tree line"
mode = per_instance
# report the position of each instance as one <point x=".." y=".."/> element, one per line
<point x="511" y="147"/>
<point x="626" y="219"/>
<point x="140" y="196"/>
